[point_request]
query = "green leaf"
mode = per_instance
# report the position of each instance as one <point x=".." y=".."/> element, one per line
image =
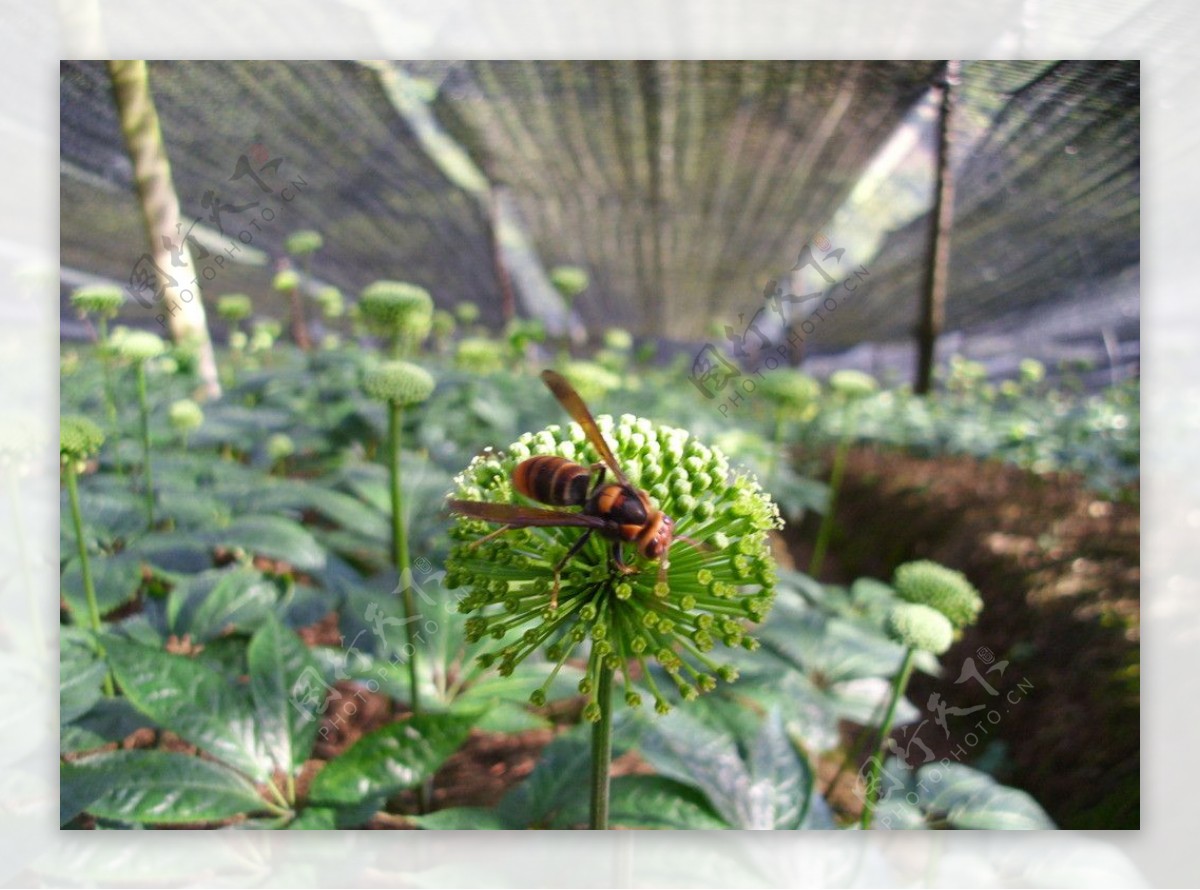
<point x="347" y="512"/>
<point x="967" y="798"/>
<point x="208" y="604"/>
<point x="656" y="802"/>
<point x="769" y="789"/>
<point x="81" y="673"/>
<point x="109" y="720"/>
<point x="273" y="537"/>
<point x="116" y="580"/>
<point x="551" y="796"/>
<point x="155" y="787"/>
<point x="314" y="819"/>
<point x="192" y="700"/>
<point x="398" y="756"/>
<point x="462" y="819"/>
<point x="280" y="665"/>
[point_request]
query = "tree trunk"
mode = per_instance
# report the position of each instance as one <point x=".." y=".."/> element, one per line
<point x="933" y="297"/>
<point x="180" y="307"/>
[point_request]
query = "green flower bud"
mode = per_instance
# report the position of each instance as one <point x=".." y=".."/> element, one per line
<point x="920" y="627"/>
<point x="1031" y="371"/>
<point x="618" y="339"/>
<point x="140" y="346"/>
<point x="570" y="281"/>
<point x="332" y="304"/>
<point x="467" y="312"/>
<point x="941" y="588"/>
<point x="790" y="389"/>
<point x="304" y="242"/>
<point x="286" y="280"/>
<point x="185" y="415"/>
<point x="592" y="381"/>
<point x="238" y="340"/>
<point x="479" y="355"/>
<point x="851" y="384"/>
<point x="280" y="446"/>
<point x="78" y="438"/>
<point x="100" y="300"/>
<point x="400" y="382"/>
<point x="234" y="307"/>
<point x="397" y="308"/>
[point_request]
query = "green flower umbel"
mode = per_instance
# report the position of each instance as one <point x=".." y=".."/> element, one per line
<point x="719" y="573"/>
<point x="940" y="588"/>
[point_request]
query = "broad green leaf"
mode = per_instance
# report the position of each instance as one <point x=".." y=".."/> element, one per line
<point x="281" y="668"/>
<point x="781" y="779"/>
<point x="967" y="798"/>
<point x="273" y="537"/>
<point x="391" y="759"/>
<point x="81" y="673"/>
<point x="657" y="802"/>
<point x="551" y="793"/>
<point x="314" y="819"/>
<point x="115" y="578"/>
<point x="462" y="819"/>
<point x="207" y="605"/>
<point x="682" y="748"/>
<point x="184" y="553"/>
<point x="109" y="720"/>
<point x="347" y="512"/>
<point x="192" y="700"/>
<point x="156" y="787"/>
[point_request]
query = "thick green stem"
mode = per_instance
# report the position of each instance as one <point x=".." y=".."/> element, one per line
<point x="835" y="483"/>
<point x="602" y="751"/>
<point x="144" y="408"/>
<point x="898" y="687"/>
<point x="85" y="568"/>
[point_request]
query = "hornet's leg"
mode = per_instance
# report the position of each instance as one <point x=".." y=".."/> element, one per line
<point x="501" y="530"/>
<point x="558" y="567"/>
<point x="618" y="557"/>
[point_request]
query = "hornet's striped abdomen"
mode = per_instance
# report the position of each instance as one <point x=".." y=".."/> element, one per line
<point x="552" y="480"/>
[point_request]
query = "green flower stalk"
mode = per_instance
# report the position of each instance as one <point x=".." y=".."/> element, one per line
<point x="794" y="396"/>
<point x="79" y="439"/>
<point x="717" y="579"/>
<point x="443" y="326"/>
<point x="139" y="347"/>
<point x="287" y="282"/>
<point x="936" y="602"/>
<point x="850" y="386"/>
<point x="185" y="415"/>
<point x="101" y="302"/>
<point x="399" y="385"/>
<point x="400" y="311"/>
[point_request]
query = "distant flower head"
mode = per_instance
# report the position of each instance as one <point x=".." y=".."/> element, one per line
<point x="396" y="308"/>
<point x="139" y="346"/>
<point x="851" y="384"/>
<point x="941" y="588"/>
<point x="400" y="382"/>
<point x="185" y="415"/>
<point x="304" y="242"/>
<point x="479" y="355"/>
<point x="78" y="438"/>
<point x="234" y="307"/>
<point x="100" y="300"/>
<point x="920" y="627"/>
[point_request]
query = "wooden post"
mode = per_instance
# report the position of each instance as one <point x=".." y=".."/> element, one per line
<point x="160" y="212"/>
<point x="933" y="296"/>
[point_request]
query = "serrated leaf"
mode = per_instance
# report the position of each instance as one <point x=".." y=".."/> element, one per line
<point x="115" y="579"/>
<point x="273" y="537"/>
<point x="391" y="759"/>
<point x="281" y="666"/>
<point x="208" y="604"/>
<point x="192" y="700"/>
<point x="156" y="787"/>
<point x="969" y="799"/>
<point x="552" y="792"/>
<point x="658" y="802"/>
<point x="462" y="819"/>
